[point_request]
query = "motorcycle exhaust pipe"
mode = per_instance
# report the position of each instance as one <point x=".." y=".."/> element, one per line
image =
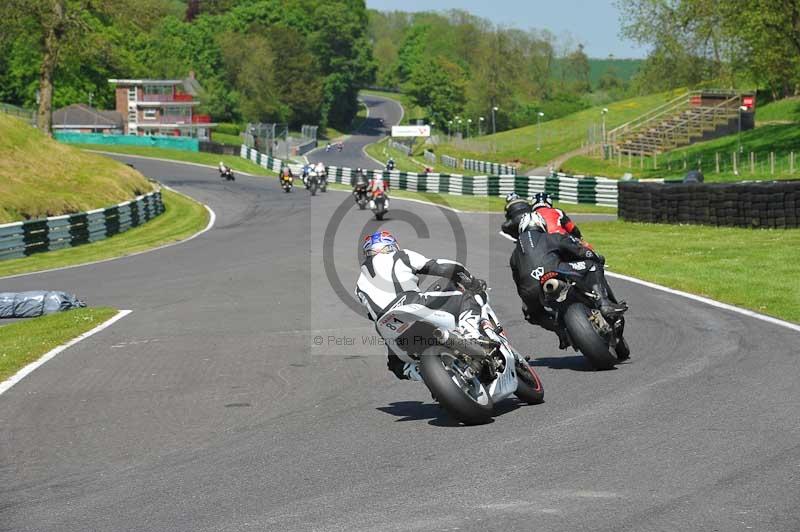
<point x="552" y="286"/>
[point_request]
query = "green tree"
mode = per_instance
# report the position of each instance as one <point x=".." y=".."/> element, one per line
<point x="438" y="85"/>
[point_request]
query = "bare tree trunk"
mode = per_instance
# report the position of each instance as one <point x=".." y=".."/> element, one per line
<point x="44" y="119"/>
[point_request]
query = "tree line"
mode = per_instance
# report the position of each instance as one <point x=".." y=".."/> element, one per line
<point x="292" y="61"/>
<point x="753" y="43"/>
<point x="456" y="64"/>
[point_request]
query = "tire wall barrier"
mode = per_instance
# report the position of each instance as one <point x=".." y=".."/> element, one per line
<point x="588" y="190"/>
<point x="773" y="204"/>
<point x="21" y="239"/>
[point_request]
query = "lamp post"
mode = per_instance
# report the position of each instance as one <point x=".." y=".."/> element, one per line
<point x="494" y="124"/>
<point x="539" y="116"/>
<point x="469" y="124"/>
<point x="458" y="121"/>
<point x="603" y="113"/>
<point x="480" y="126"/>
<point x="739" y="134"/>
<point x="449" y="125"/>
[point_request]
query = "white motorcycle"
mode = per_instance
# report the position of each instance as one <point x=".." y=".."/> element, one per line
<point x="467" y="366"/>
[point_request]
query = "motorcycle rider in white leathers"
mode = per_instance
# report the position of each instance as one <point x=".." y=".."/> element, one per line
<point x="389" y="277"/>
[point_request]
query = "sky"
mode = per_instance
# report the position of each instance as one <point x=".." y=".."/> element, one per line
<point x="594" y="23"/>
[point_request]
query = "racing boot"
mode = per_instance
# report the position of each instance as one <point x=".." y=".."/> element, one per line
<point x="563" y="339"/>
<point x="608" y="308"/>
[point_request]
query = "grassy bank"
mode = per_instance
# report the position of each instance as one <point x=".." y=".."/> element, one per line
<point x="40" y="177"/>
<point x="182" y="218"/>
<point x="481" y="203"/>
<point x="210" y="159"/>
<point x="25" y="341"/>
<point x="717" y="262"/>
<point x="554" y="137"/>
<point x="782" y="139"/>
<point x="414" y="163"/>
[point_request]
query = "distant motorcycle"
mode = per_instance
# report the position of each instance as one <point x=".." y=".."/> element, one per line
<point x="379" y="204"/>
<point x="227" y="174"/>
<point x="360" y="195"/>
<point x="312" y="182"/>
<point x="323" y="180"/>
<point x="287" y="182"/>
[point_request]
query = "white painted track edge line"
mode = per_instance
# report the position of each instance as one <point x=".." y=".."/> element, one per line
<point x="212" y="218"/>
<point x="173" y="161"/>
<point x="25" y="371"/>
<point x="707" y="301"/>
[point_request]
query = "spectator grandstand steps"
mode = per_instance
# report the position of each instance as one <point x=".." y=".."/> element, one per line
<point x="692" y="117"/>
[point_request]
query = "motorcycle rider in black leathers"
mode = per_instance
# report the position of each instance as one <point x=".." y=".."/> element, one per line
<point x="515" y="208"/>
<point x="359" y="181"/>
<point x="538" y="252"/>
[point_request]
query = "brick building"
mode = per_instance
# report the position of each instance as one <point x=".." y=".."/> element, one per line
<point x="162" y="107"/>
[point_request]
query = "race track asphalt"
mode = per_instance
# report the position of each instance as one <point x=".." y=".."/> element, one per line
<point x="211" y="408"/>
<point x="352" y="155"/>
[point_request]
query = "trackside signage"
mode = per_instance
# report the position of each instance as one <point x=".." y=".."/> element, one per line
<point x="411" y="131"/>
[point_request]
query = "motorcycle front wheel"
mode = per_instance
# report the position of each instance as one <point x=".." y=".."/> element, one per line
<point x="529" y="385"/>
<point x="463" y="397"/>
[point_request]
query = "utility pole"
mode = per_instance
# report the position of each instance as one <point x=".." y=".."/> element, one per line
<point x="480" y="126"/>
<point x="539" y="116"/>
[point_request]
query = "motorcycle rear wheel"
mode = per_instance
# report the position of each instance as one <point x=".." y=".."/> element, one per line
<point x="586" y="339"/>
<point x="466" y="400"/>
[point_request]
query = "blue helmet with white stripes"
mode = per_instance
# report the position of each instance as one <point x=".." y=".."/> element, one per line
<point x="380" y="242"/>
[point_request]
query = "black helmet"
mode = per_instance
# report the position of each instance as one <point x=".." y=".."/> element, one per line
<point x="542" y="199"/>
<point x="516" y="206"/>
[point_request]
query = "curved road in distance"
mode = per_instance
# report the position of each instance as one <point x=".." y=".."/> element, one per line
<point x="212" y="408"/>
<point x="353" y="156"/>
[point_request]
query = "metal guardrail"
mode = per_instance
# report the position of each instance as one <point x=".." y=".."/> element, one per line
<point x="21" y="239"/>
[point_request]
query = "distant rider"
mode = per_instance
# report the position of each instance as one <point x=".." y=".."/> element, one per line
<point x="304" y="174"/>
<point x="322" y="173"/>
<point x="389" y="276"/>
<point x="360" y="182"/>
<point x="539" y="252"/>
<point x="390" y="164"/>
<point x="557" y="220"/>
<point x="223" y="169"/>
<point x="515" y="208"/>
<point x="377" y="186"/>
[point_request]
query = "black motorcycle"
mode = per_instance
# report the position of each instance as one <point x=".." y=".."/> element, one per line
<point x="360" y="195"/>
<point x="379" y="204"/>
<point x="576" y="310"/>
<point x="323" y="181"/>
<point x="312" y="183"/>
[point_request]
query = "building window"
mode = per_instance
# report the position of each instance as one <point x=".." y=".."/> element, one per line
<point x="149" y="114"/>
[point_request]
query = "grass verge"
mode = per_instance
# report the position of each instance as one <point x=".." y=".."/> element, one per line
<point x="40" y="177"/>
<point x="716" y="262"/>
<point x="182" y="218"/>
<point x="481" y="203"/>
<point x="535" y="145"/>
<point x="382" y="151"/>
<point x="210" y="159"/>
<point x="25" y="341"/>
<point x="781" y="139"/>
